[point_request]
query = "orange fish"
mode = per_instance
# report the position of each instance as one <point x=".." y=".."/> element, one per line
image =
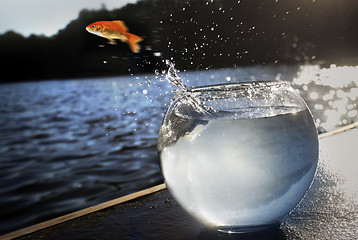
<point x="115" y="30"/>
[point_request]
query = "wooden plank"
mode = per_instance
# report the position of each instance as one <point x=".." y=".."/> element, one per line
<point x="82" y="212"/>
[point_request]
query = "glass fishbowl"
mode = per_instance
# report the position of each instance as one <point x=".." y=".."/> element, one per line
<point x="238" y="156"/>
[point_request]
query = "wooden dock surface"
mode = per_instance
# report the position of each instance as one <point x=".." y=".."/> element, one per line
<point x="329" y="211"/>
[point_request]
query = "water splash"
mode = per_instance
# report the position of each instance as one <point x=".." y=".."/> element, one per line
<point x="185" y="92"/>
<point x="173" y="77"/>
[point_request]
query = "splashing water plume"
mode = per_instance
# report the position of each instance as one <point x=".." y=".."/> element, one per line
<point x="173" y="78"/>
<point x="184" y="91"/>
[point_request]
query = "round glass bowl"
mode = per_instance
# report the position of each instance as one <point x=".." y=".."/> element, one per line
<point x="240" y="156"/>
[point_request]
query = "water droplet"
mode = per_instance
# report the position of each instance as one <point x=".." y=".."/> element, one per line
<point x="314" y="95"/>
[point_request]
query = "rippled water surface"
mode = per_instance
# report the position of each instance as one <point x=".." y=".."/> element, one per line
<point x="70" y="144"/>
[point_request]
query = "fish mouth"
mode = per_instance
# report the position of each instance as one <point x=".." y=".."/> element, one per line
<point x="90" y="30"/>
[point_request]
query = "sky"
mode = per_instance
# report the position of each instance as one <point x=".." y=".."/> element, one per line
<point x="46" y="17"/>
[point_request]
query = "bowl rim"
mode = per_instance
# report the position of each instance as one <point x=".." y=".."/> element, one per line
<point x="231" y="86"/>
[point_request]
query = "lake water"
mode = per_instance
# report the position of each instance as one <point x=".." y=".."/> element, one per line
<point x="66" y="145"/>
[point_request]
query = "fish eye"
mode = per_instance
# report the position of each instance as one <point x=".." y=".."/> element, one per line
<point x="93" y="26"/>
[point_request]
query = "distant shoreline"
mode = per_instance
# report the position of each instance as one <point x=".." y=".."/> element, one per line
<point x="194" y="34"/>
<point x="352" y="61"/>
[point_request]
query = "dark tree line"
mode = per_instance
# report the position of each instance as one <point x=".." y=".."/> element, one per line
<point x="196" y="34"/>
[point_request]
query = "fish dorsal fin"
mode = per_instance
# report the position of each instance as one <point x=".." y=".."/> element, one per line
<point x="121" y="23"/>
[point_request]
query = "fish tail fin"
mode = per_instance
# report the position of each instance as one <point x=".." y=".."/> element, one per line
<point x="133" y="42"/>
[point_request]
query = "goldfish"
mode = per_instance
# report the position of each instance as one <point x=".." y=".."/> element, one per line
<point x="115" y="30"/>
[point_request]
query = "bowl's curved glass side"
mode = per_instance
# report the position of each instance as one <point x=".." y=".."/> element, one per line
<point x="233" y="170"/>
<point x="181" y="118"/>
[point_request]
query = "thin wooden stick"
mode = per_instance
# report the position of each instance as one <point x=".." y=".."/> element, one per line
<point x="339" y="130"/>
